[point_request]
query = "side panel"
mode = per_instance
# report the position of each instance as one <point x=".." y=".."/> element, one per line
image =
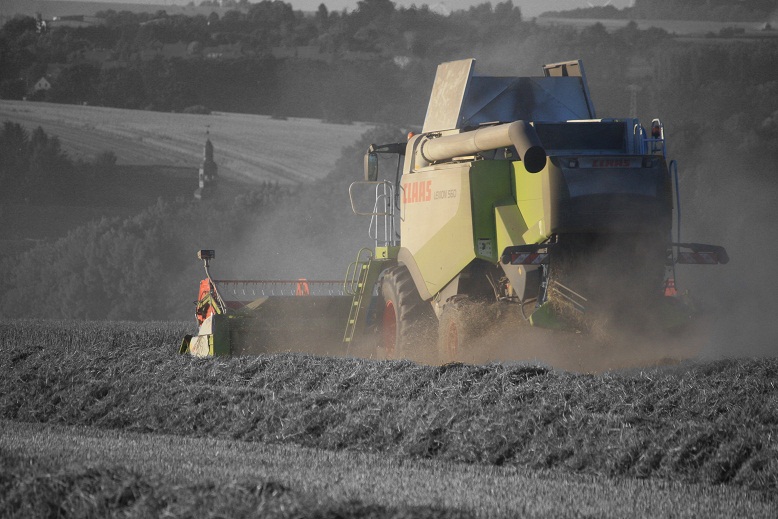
<point x="510" y="225"/>
<point x="436" y="222"/>
<point x="492" y="99"/>
<point x="616" y="194"/>
<point x="532" y="196"/>
<point x="460" y="99"/>
<point x="489" y="184"/>
<point x="620" y="194"/>
<point x="448" y="217"/>
<point x="448" y="92"/>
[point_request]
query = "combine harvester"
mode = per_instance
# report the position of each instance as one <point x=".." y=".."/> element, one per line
<point x="515" y="204"/>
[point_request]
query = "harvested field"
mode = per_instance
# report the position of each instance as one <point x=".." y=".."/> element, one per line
<point x="709" y="430"/>
<point x="248" y="147"/>
<point x="87" y="471"/>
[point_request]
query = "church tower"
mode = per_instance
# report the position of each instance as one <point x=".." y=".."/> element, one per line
<point x="208" y="172"/>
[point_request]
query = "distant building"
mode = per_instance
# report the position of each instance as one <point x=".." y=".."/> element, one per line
<point x="41" y="84"/>
<point x="75" y="21"/>
<point x="207" y="174"/>
<point x="225" y="51"/>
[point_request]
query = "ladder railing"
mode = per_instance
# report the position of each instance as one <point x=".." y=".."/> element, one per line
<point x="652" y="143"/>
<point x="352" y="284"/>
<point x="362" y="274"/>
<point x="383" y="228"/>
<point x="361" y="277"/>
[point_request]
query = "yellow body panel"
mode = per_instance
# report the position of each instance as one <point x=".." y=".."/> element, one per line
<point x="437" y="223"/>
<point x="510" y="225"/>
<point x="531" y="190"/>
<point x="448" y="217"/>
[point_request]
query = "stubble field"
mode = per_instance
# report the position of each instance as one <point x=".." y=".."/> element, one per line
<point x="248" y="147"/>
<point x="105" y="419"/>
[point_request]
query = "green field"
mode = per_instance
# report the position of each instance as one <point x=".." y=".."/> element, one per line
<point x="105" y="419"/>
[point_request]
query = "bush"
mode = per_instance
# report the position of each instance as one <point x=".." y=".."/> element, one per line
<point x="105" y="161"/>
<point x="137" y="268"/>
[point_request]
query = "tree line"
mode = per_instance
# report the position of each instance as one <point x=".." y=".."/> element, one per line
<point x="375" y="63"/>
<point x="355" y="52"/>
<point x="708" y="10"/>
<point x="36" y="169"/>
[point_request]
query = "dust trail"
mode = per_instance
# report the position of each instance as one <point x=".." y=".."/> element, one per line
<point x="514" y="341"/>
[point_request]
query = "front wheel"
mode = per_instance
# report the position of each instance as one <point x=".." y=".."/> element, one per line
<point x="404" y="318"/>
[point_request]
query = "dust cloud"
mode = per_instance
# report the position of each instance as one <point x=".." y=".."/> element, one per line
<point x="312" y="233"/>
<point x="736" y="209"/>
<point x="737" y="300"/>
<point x="724" y="202"/>
<point x="727" y="199"/>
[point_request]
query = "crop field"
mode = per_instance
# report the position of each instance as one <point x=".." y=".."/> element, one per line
<point x="248" y="147"/>
<point x="105" y="419"/>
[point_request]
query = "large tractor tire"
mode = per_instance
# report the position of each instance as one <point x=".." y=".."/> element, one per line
<point x="405" y="319"/>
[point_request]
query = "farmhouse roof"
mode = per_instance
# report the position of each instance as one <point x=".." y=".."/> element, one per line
<point x="41" y="84"/>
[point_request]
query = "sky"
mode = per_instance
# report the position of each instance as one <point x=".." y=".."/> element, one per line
<point x="529" y="8"/>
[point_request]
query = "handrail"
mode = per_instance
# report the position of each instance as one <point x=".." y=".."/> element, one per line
<point x="369" y="182"/>
<point x="354" y="272"/>
<point x="382" y="207"/>
<point x="640" y="132"/>
<point x="649" y="144"/>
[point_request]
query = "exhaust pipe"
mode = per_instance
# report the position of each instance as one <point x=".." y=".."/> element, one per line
<point x="519" y="134"/>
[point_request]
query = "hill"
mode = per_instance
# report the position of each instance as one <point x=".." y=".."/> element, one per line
<point x="158" y="155"/>
<point x="250" y="148"/>
<point x="50" y="8"/>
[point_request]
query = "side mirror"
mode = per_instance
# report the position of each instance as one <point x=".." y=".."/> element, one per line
<point x="371" y="165"/>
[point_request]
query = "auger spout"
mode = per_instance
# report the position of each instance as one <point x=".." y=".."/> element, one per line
<point x="519" y="134"/>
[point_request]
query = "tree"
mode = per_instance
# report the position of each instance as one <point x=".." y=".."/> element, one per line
<point x="370" y="26"/>
<point x="322" y="17"/>
<point x="17" y="39"/>
<point x="122" y="88"/>
<point x="12" y="88"/>
<point x="506" y="13"/>
<point x="14" y="144"/>
<point x="49" y="167"/>
<point x="20" y="27"/>
<point x="76" y="84"/>
<point x="273" y="22"/>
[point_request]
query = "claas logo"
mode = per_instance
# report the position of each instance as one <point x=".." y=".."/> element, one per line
<point x="417" y="192"/>
<point x="610" y="163"/>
